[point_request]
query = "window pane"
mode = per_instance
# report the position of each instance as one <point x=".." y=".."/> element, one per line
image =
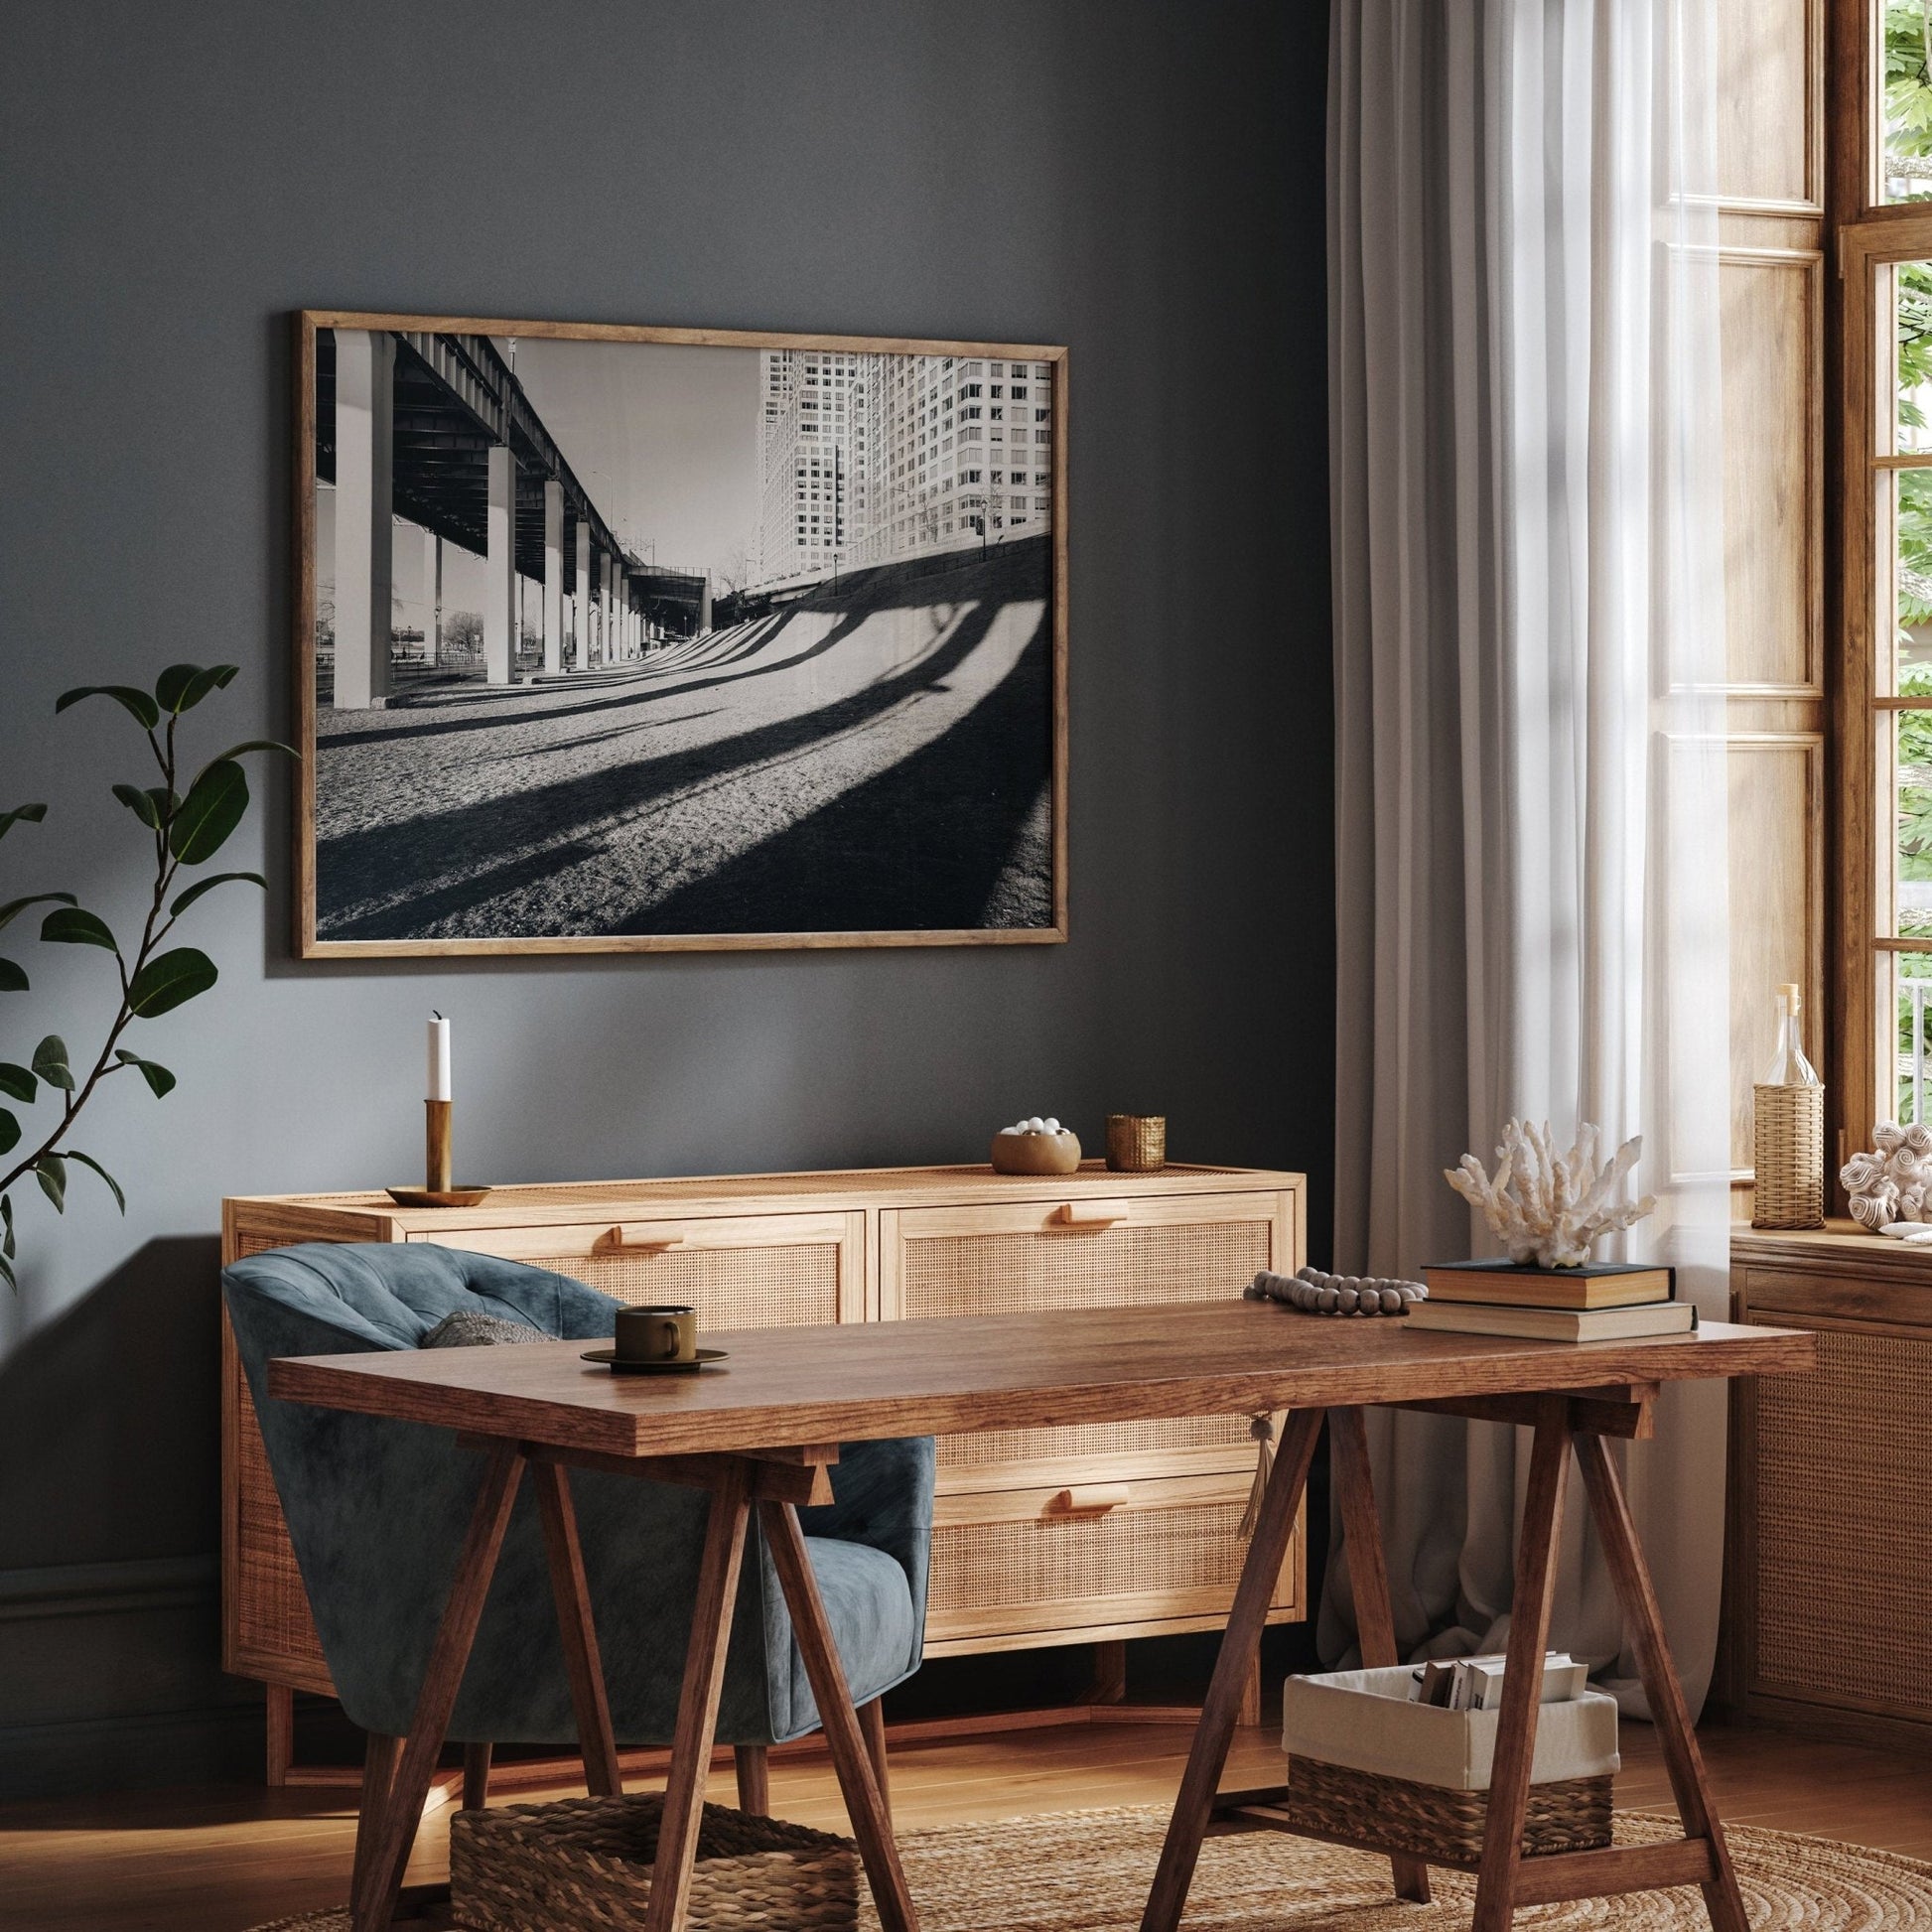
<point x="1908" y="757"/>
<point x="1910" y="974"/>
<point x="1906" y="164"/>
<point x="1911" y="352"/>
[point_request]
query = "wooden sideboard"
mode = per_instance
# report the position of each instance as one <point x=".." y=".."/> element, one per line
<point x="1057" y="1535"/>
<point x="1829" y="1582"/>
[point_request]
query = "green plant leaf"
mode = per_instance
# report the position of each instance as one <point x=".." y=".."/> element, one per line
<point x="17" y="1081"/>
<point x="12" y="979"/>
<point x="113" y="1185"/>
<point x="21" y="815"/>
<point x="169" y="980"/>
<point x="15" y="906"/>
<point x="9" y="1131"/>
<point x="7" y="1269"/>
<point x="74" y="926"/>
<point x="160" y="1081"/>
<point x="250" y="744"/>
<point x="51" y="1173"/>
<point x="50" y="1062"/>
<point x="211" y="810"/>
<point x="185" y="900"/>
<point x="7" y="1247"/>
<point x="143" y="804"/>
<point x="181" y="687"/>
<point x="144" y="712"/>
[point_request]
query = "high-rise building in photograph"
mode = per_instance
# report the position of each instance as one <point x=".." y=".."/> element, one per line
<point x="870" y="458"/>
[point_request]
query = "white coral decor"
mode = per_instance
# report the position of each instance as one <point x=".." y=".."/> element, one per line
<point x="1546" y="1206"/>
<point x="1895" y="1181"/>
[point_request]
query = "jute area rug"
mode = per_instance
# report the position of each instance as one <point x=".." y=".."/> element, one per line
<point x="1089" y="1872"/>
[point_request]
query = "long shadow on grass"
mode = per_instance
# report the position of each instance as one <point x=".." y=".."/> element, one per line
<point x="918" y="847"/>
<point x="420" y="856"/>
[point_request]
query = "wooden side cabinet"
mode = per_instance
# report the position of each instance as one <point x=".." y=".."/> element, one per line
<point x="1829" y="1582"/>
<point x="1044" y="1536"/>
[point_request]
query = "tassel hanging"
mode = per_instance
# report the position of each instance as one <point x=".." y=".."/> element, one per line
<point x="1261" y="1430"/>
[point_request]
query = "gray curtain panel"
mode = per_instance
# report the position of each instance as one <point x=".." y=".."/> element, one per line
<point x="1526" y="440"/>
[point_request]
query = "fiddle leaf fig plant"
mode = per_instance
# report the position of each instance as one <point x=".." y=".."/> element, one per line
<point x="184" y="825"/>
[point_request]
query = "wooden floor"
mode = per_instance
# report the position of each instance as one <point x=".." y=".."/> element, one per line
<point x="222" y="1857"/>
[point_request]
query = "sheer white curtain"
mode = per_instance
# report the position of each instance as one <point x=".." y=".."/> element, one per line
<point x="1525" y="443"/>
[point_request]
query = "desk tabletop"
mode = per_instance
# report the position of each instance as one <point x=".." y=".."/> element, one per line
<point x="788" y="1387"/>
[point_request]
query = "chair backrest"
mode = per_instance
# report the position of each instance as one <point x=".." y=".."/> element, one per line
<point x="376" y="1510"/>
<point x="390" y="1293"/>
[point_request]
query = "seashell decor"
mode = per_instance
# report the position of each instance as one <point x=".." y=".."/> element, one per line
<point x="1893" y="1183"/>
<point x="1548" y="1206"/>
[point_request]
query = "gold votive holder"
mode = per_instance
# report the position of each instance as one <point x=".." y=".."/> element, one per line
<point x="1137" y="1143"/>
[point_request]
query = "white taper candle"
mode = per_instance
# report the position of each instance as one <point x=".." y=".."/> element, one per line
<point x="439" y="1057"/>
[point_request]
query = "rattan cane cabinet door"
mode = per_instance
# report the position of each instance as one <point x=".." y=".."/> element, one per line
<point x="1838" y="1504"/>
<point x="750" y="1270"/>
<point x="1131" y="1251"/>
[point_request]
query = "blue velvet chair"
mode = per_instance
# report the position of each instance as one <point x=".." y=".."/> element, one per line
<point x="377" y="1511"/>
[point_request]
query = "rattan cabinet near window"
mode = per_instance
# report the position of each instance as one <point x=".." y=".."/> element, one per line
<point x="1041" y="1536"/>
<point x="1828" y="1582"/>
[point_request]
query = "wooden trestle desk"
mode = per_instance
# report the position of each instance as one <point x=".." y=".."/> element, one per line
<point x="762" y="1433"/>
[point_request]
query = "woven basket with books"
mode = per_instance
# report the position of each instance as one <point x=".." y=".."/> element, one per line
<point x="1371" y="1763"/>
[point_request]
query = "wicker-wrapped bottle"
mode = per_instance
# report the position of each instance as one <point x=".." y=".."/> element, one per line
<point x="1788" y="1132"/>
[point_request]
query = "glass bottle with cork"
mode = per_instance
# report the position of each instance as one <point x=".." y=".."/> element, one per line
<point x="1788" y="1131"/>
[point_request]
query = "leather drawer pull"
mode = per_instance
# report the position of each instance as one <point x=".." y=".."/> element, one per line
<point x="1089" y="1214"/>
<point x="1089" y="1499"/>
<point x="651" y="1244"/>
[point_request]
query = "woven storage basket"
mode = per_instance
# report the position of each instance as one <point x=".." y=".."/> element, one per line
<point x="584" y="1865"/>
<point x="1788" y="1137"/>
<point x="1331" y="1801"/>
<point x="1368" y="1766"/>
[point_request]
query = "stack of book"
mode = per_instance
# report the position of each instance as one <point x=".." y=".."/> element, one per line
<point x="1605" y="1301"/>
<point x="1476" y="1683"/>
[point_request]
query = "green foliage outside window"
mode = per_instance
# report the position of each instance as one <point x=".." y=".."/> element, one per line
<point x="1909" y="96"/>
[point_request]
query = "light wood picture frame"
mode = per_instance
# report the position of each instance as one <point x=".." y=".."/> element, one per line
<point x="635" y="640"/>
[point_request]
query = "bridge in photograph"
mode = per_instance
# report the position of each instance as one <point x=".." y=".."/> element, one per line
<point x="437" y="429"/>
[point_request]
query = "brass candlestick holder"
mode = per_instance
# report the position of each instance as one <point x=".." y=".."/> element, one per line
<point x="439" y="1189"/>
<point x="436" y="1167"/>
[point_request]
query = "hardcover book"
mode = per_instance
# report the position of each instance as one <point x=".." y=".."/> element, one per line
<point x="1596" y="1285"/>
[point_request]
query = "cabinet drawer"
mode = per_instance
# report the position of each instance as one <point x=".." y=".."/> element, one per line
<point x="1069" y="1563"/>
<point x="1127" y="1251"/>
<point x="753" y="1271"/>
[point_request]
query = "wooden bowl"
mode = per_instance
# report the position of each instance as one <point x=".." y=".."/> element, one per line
<point x="1036" y="1153"/>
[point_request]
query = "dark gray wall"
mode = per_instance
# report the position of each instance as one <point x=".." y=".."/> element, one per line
<point x="1138" y="179"/>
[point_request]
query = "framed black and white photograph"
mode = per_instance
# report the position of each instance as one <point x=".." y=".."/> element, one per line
<point x="624" y="638"/>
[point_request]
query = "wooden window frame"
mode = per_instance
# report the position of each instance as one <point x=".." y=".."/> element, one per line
<point x="1862" y="233"/>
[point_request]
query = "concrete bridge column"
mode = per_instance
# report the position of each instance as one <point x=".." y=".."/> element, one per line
<point x="581" y="657"/>
<point x="365" y="409"/>
<point x="432" y="595"/>
<point x="606" y="609"/>
<point x="553" y="576"/>
<point x="704" y="608"/>
<point x="500" y="567"/>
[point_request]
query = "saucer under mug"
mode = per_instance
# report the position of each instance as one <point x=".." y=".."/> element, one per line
<point x="625" y="1365"/>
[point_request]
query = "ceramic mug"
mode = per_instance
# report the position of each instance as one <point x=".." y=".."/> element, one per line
<point x="667" y="1332"/>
